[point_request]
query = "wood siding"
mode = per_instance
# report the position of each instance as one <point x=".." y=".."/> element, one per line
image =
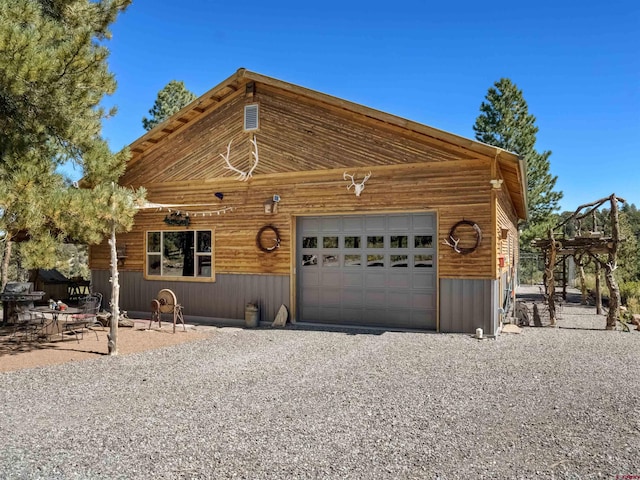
<point x="508" y="247"/>
<point x="304" y="149"/>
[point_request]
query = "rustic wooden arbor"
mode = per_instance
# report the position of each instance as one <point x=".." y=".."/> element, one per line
<point x="584" y="246"/>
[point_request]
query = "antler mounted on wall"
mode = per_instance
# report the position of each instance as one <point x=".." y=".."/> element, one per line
<point x="359" y="187"/>
<point x="453" y="245"/>
<point x="242" y="175"/>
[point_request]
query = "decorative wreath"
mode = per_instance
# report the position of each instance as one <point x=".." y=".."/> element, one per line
<point x="259" y="238"/>
<point x="453" y="239"/>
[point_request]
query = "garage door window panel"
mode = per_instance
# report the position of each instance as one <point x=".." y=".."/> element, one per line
<point x="330" y="261"/>
<point x="423" y="261"/>
<point x="352" y="260"/>
<point x="309" y="242"/>
<point x="399" y="260"/>
<point x="375" y="241"/>
<point x="423" y="241"/>
<point x="375" y="260"/>
<point x="330" y="242"/>
<point x="309" y="260"/>
<point x="351" y="242"/>
<point x="399" y="241"/>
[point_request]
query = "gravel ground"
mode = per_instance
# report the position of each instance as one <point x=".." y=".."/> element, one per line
<point x="301" y="403"/>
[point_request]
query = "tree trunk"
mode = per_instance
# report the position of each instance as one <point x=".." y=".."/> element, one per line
<point x="550" y="285"/>
<point x="584" y="295"/>
<point x="614" y="298"/>
<point x="115" y="295"/>
<point x="6" y="258"/>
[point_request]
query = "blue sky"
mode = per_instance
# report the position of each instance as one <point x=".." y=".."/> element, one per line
<point x="578" y="64"/>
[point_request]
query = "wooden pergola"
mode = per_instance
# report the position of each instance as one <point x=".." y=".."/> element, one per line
<point x="592" y="245"/>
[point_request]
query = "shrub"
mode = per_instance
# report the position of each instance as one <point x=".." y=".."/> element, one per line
<point x="633" y="305"/>
<point x="629" y="291"/>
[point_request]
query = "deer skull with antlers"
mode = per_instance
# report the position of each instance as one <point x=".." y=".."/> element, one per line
<point x="242" y="176"/>
<point x="359" y="187"/>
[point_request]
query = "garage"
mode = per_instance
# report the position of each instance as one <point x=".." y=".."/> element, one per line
<point x="367" y="270"/>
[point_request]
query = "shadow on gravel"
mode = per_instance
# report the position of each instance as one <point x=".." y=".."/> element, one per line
<point x="347" y="330"/>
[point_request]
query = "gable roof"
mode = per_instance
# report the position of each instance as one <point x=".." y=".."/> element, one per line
<point x="513" y="168"/>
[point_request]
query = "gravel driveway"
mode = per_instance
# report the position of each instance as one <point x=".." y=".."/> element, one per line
<point x="292" y="403"/>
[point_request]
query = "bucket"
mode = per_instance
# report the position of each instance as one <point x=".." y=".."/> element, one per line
<point x="251" y="315"/>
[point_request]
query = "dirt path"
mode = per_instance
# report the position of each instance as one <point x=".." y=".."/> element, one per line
<point x="18" y="355"/>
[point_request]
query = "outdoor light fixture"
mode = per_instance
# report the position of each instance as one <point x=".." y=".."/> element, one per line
<point x="271" y="205"/>
<point x="497" y="184"/>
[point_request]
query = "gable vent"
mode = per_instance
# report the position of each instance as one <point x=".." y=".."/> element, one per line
<point x="251" y="117"/>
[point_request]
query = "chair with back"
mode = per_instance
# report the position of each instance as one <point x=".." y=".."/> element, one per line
<point x="87" y="319"/>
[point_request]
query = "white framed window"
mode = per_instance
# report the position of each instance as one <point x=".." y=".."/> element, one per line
<point x="179" y="254"/>
<point x="251" y="117"/>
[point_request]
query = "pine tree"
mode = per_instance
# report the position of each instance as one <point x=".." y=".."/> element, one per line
<point x="53" y="75"/>
<point x="505" y="122"/>
<point x="172" y="98"/>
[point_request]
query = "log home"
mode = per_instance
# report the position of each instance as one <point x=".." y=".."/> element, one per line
<point x="269" y="193"/>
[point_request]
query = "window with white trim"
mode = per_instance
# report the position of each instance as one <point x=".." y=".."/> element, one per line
<point x="180" y="254"/>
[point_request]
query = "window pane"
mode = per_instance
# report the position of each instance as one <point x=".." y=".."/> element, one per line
<point x="204" y="266"/>
<point x="375" y="260"/>
<point x="204" y="241"/>
<point x="399" y="260"/>
<point x="153" y="265"/>
<point x="375" y="242"/>
<point x="351" y="242"/>
<point x="309" y="242"/>
<point x="178" y="258"/>
<point x="400" y="241"/>
<point x="329" y="242"/>
<point x="424" y="241"/>
<point x="423" y="261"/>
<point x="352" y="260"/>
<point x="153" y="242"/>
<point x="309" y="260"/>
<point x="330" y="261"/>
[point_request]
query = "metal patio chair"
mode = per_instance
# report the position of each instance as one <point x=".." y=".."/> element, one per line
<point x="87" y="319"/>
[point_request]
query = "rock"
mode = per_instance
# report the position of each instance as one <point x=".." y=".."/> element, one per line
<point x="281" y="317"/>
<point x="511" y="328"/>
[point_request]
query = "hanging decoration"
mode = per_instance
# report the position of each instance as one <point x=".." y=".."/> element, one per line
<point x="179" y="208"/>
<point x="178" y="219"/>
<point x="276" y="240"/>
<point x="454" y="239"/>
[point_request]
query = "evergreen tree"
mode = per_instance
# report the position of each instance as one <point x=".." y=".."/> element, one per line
<point x="505" y="122"/>
<point x="53" y="75"/>
<point x="172" y="98"/>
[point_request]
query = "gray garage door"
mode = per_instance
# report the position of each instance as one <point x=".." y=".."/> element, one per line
<point x="377" y="270"/>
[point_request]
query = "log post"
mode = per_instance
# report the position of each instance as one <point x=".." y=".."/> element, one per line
<point x="550" y="285"/>
<point x="610" y="266"/>
<point x="598" y="289"/>
<point x="579" y="259"/>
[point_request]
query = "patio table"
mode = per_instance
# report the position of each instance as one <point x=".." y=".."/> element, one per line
<point x="56" y="319"/>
